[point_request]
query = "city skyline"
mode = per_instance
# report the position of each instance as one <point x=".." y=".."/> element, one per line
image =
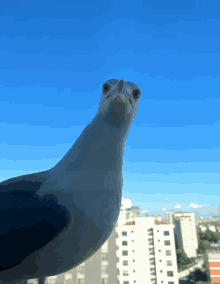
<point x="199" y="211"/>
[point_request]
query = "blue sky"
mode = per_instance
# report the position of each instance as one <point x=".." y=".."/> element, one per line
<point x="55" y="56"/>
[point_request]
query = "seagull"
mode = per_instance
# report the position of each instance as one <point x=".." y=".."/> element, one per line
<point x="52" y="221"/>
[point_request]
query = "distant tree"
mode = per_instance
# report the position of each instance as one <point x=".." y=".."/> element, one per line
<point x="182" y="258"/>
<point x="177" y="245"/>
<point x="200" y="276"/>
<point x="203" y="246"/>
<point x="203" y="236"/>
<point x="190" y="278"/>
<point x="206" y="265"/>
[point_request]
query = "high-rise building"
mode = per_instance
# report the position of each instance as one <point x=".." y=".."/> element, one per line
<point x="124" y="211"/>
<point x="169" y="217"/>
<point x="146" y="252"/>
<point x="140" y="250"/>
<point x="185" y="230"/>
<point x="100" y="268"/>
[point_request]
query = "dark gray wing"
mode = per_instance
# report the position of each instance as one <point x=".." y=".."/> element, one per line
<point x="27" y="223"/>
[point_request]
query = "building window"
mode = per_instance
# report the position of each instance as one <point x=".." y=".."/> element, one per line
<point x="167" y="243"/>
<point x="160" y="260"/>
<point x="124" y="252"/>
<point x="162" y="281"/>
<point x="104" y="268"/>
<point x="80" y="269"/>
<point x="171" y="282"/>
<point x="125" y="282"/>
<point x="125" y="273"/>
<point x="169" y="273"/>
<point x="168" y="252"/>
<point x="125" y="262"/>
<point x="104" y="256"/>
<point x="169" y="263"/>
<point x="166" y="233"/>
<point x="133" y="270"/>
<point x="132" y="240"/>
<point x="104" y="280"/>
<point x="132" y="231"/>
<point x="124" y="233"/>
<point x="159" y="250"/>
<point x="133" y="260"/>
<point x="134" y="281"/>
<point x="124" y="243"/>
<point x="161" y="271"/>
<point x="158" y="240"/>
<point x="132" y="250"/>
<point x="158" y="231"/>
<point x="152" y="269"/>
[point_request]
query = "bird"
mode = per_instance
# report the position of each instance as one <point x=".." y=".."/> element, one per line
<point x="52" y="221"/>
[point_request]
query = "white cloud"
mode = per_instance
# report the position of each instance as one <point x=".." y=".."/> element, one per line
<point x="164" y="209"/>
<point x="193" y="205"/>
<point x="177" y="206"/>
<point x="144" y="211"/>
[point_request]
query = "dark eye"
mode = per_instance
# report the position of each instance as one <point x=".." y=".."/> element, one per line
<point x="105" y="88"/>
<point x="136" y="94"/>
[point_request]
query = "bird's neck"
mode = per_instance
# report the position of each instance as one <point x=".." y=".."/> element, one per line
<point x="99" y="147"/>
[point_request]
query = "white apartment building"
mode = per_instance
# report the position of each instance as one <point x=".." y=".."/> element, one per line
<point x="185" y="229"/>
<point x="146" y="252"/>
<point x="100" y="268"/>
<point x="139" y="250"/>
<point x="170" y="217"/>
<point x="128" y="213"/>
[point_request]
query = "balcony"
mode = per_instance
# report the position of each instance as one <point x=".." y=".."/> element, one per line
<point x="104" y="271"/>
<point x="153" y="273"/>
<point x="104" y="257"/>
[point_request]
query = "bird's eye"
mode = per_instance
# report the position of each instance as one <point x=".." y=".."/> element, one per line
<point x="105" y="88"/>
<point x="136" y="94"/>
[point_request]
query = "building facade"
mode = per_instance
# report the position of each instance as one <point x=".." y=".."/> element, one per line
<point x="214" y="263"/>
<point x="146" y="252"/>
<point x="185" y="230"/>
<point x="139" y="250"/>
